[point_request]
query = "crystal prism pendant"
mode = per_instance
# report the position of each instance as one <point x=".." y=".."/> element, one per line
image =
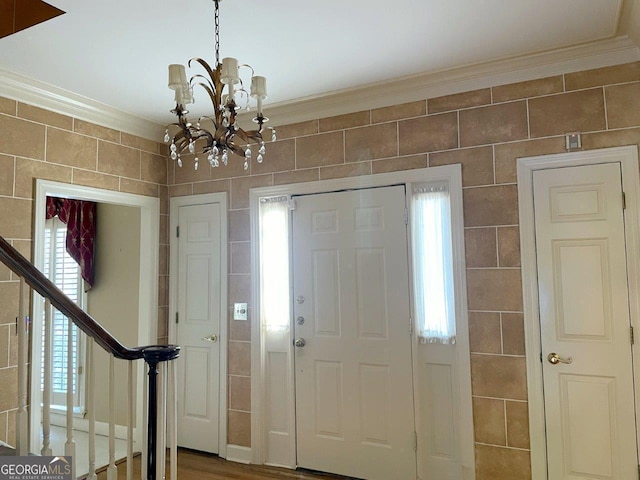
<point x="174" y="155"/>
<point x="192" y="147"/>
<point x="179" y="161"/>
<point x="225" y="157"/>
<point x="166" y="136"/>
<point x="246" y="165"/>
<point x="195" y="166"/>
<point x="260" y="158"/>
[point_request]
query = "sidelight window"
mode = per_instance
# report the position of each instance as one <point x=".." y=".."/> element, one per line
<point x="433" y="264"/>
<point x="274" y="262"/>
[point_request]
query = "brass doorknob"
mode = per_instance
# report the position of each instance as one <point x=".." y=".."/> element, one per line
<point x="555" y="359"/>
<point x="213" y="338"/>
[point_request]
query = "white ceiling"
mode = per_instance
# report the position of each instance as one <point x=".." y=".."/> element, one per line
<point x="117" y="51"/>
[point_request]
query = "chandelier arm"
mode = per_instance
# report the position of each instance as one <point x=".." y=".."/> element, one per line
<point x="203" y="63"/>
<point x="249" y="137"/>
<point x="217" y="87"/>
<point x="253" y="72"/>
<point x="254" y="134"/>
<point x="209" y="90"/>
<point x="237" y="149"/>
<point x="205" y="79"/>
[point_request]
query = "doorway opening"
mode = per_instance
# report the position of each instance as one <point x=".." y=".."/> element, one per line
<point x="141" y="214"/>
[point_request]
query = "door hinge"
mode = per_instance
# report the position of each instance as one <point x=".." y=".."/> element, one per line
<point x="406" y="216"/>
<point x="633" y="340"/>
<point x="178" y="231"/>
<point x="624" y="201"/>
<point x="80" y="370"/>
<point x="410" y="326"/>
<point x="415" y="441"/>
<point x="176" y="317"/>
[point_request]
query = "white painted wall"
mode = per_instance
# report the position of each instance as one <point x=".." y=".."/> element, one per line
<point x="113" y="300"/>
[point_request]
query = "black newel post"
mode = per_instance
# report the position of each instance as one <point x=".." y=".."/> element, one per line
<point x="152" y="429"/>
<point x="153" y="355"/>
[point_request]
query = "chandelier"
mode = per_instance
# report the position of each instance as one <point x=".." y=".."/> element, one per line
<point x="216" y="136"/>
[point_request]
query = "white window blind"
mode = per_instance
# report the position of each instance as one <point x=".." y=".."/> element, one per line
<point x="274" y="262"/>
<point x="64" y="272"/>
<point x="433" y="264"/>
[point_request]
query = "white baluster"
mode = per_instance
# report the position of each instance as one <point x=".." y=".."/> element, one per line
<point x="22" y="438"/>
<point x="70" y="445"/>
<point x="173" y="420"/>
<point x="145" y="422"/>
<point x="91" y="407"/>
<point x="46" y="394"/>
<point x="130" y="420"/>
<point x="112" y="469"/>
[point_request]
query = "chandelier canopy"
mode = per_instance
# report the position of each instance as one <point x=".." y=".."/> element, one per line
<point x="216" y="136"/>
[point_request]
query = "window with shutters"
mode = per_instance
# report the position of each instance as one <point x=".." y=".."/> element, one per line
<point x="64" y="272"/>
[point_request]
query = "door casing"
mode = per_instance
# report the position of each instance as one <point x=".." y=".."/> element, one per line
<point x="175" y="204"/>
<point x="148" y="304"/>
<point x="448" y="173"/>
<point x="628" y="159"/>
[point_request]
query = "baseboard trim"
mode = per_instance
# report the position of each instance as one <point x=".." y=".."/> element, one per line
<point x="82" y="424"/>
<point x="239" y="454"/>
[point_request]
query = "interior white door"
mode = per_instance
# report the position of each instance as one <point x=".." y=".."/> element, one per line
<point x="354" y="386"/>
<point x="584" y="320"/>
<point x="199" y="277"/>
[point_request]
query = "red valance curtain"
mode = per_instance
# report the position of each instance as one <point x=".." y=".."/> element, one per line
<point x="80" y="218"/>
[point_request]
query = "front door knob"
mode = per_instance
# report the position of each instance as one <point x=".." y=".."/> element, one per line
<point x="299" y="342"/>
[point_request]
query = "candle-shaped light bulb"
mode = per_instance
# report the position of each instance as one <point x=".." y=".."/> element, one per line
<point x="187" y="96"/>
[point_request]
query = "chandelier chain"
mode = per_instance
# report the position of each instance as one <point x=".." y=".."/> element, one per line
<point x="217" y="32"/>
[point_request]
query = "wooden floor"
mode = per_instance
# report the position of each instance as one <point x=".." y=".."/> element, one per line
<point x="199" y="466"/>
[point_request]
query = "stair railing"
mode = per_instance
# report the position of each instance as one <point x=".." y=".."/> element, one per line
<point x="158" y="358"/>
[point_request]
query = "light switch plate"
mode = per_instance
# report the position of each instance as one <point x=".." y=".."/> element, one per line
<point x="239" y="311"/>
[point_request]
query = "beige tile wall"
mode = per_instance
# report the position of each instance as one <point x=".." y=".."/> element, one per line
<point x="484" y="130"/>
<point x="36" y="143"/>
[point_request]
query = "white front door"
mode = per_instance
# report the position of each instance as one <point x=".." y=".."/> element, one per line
<point x="354" y="387"/>
<point x="584" y="323"/>
<point x="199" y="300"/>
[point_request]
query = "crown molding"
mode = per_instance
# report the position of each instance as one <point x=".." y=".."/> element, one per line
<point x="598" y="54"/>
<point x="34" y="92"/>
